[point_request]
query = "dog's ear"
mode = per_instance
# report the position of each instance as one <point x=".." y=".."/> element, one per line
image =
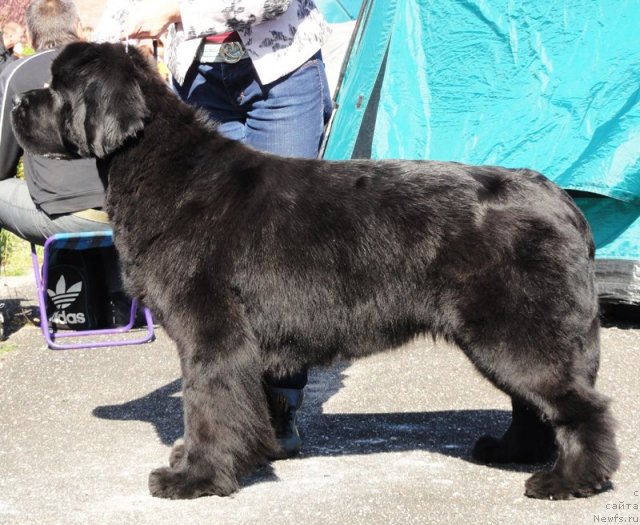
<point x="115" y="111"/>
<point x="101" y="84"/>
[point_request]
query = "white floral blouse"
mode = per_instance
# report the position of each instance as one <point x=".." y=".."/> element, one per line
<point x="279" y="35"/>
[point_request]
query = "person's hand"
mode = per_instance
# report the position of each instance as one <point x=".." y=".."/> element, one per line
<point x="149" y="19"/>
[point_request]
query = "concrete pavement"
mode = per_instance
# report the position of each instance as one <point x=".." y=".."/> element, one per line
<point x="386" y="440"/>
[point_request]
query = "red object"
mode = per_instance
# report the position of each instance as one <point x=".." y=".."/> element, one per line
<point x="220" y="38"/>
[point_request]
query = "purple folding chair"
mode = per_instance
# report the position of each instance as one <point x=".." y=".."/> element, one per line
<point x="88" y="338"/>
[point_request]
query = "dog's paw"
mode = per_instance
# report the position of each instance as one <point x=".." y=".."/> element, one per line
<point x="549" y="485"/>
<point x="170" y="484"/>
<point x="177" y="453"/>
<point x="181" y="484"/>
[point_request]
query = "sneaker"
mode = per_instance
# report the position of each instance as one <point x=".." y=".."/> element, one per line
<point x="284" y="404"/>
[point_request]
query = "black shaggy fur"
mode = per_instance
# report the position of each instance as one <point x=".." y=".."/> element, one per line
<point x="257" y="263"/>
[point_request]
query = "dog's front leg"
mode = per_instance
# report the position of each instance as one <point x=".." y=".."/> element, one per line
<point x="227" y="427"/>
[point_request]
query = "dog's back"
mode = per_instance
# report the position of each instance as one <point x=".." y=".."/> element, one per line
<point x="377" y="252"/>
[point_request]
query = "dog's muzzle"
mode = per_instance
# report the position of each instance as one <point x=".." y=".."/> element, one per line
<point x="227" y="52"/>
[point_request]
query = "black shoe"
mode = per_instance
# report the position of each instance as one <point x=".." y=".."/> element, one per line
<point x="284" y="404"/>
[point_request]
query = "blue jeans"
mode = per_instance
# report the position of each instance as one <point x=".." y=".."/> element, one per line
<point x="286" y="117"/>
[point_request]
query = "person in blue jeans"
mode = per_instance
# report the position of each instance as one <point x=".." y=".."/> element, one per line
<point x="286" y="117"/>
<point x="257" y="69"/>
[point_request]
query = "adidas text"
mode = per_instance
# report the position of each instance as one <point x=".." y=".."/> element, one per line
<point x="69" y="318"/>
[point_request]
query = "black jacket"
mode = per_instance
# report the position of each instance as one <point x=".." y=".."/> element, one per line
<point x="56" y="186"/>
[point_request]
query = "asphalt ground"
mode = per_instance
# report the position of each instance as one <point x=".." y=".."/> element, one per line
<point x="387" y="439"/>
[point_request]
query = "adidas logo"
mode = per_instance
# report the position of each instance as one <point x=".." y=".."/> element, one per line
<point x="63" y="297"/>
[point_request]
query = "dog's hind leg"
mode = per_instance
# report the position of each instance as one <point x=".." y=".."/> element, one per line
<point x="587" y="453"/>
<point x="527" y="440"/>
<point x="584" y="428"/>
<point x="227" y="427"/>
<point x="580" y="417"/>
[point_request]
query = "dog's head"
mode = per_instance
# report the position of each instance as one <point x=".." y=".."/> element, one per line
<point x="93" y="104"/>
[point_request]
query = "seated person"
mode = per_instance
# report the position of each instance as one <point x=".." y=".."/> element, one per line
<point x="56" y="196"/>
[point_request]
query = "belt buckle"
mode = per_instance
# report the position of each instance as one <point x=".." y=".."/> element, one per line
<point x="231" y="52"/>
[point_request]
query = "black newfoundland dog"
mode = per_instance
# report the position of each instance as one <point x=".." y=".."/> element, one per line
<point x="256" y="263"/>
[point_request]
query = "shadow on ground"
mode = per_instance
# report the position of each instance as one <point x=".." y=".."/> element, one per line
<point x="17" y="315"/>
<point x="451" y="432"/>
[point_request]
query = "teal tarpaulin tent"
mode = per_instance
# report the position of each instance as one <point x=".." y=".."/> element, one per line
<point x="336" y="11"/>
<point x="552" y="85"/>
